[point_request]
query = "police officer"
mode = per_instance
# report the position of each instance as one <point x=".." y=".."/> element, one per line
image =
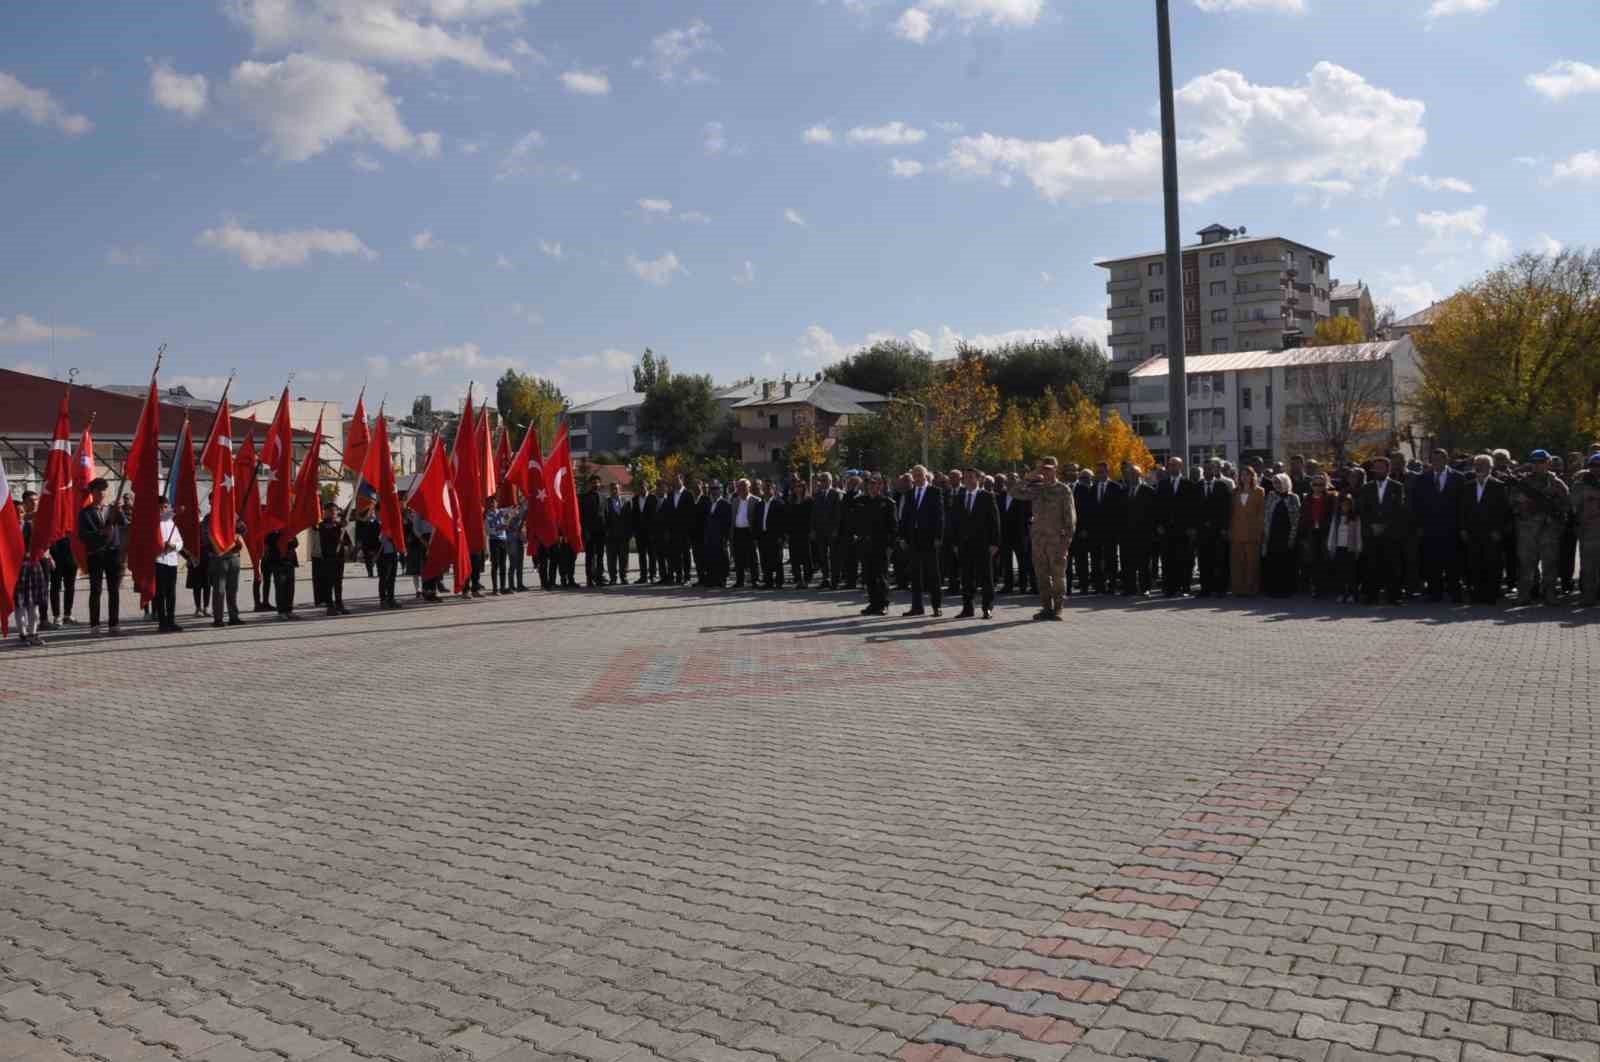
<point x="877" y="531"/>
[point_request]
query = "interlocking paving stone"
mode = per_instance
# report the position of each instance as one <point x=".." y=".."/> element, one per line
<point x="651" y="823"/>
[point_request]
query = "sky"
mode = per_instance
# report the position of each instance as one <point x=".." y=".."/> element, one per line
<point x="409" y="195"/>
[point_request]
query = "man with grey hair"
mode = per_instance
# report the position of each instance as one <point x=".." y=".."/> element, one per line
<point x="1485" y="511"/>
<point x="827" y="513"/>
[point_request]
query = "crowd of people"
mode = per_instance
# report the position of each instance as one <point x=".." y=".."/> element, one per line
<point x="1469" y="528"/>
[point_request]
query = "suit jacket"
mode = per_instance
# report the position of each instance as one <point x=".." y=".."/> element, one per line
<point x="644" y="517"/>
<point x="1139" y="512"/>
<point x="1014" y="515"/>
<point x="1177" y="506"/>
<point x="1215" y="509"/>
<point x="1480" y="519"/>
<point x="1389" y="514"/>
<point x="1436" y="512"/>
<point x="618" y="521"/>
<point x="663" y="520"/>
<point x="591" y="515"/>
<point x="979" y="525"/>
<point x="798" y="516"/>
<point x="719" y="523"/>
<point x="922" y="525"/>
<point x="827" y="510"/>
<point x="95" y="528"/>
<point x="1105" y="508"/>
<point x="684" y="516"/>
<point x="774" y="523"/>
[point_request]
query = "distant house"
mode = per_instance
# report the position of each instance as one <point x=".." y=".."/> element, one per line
<point x="1417" y="322"/>
<point x="608" y="425"/>
<point x="774" y="411"/>
<point x="1354" y="300"/>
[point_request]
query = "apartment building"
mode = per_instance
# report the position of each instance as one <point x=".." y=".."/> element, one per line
<point x="1354" y="301"/>
<point x="1239" y="293"/>
<point x="775" y="411"/>
<point x="607" y="425"/>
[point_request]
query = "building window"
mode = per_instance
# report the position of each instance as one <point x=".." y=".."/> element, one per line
<point x="1244" y="398"/>
<point x="1219" y="316"/>
<point x="1249" y="436"/>
<point x="1191" y="276"/>
<point x="777" y="455"/>
<point x="578" y="420"/>
<point x="1199" y="455"/>
<point x="1148" y="424"/>
<point x="772" y="420"/>
<point x="1219" y="346"/>
<point x="1158" y="324"/>
<point x="1219" y="287"/>
<point x="1156" y="269"/>
<point x="1158" y="350"/>
<point x="1158" y="295"/>
<point x="1291" y="377"/>
<point x="1219" y="258"/>
<point x="1269" y="396"/>
<point x="1150" y="390"/>
<point x="1117" y="379"/>
<point x="1207" y="385"/>
<point x="1208" y="420"/>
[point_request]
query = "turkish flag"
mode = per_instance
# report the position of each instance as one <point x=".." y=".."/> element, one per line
<point x="83" y="470"/>
<point x="277" y="456"/>
<point x="527" y="472"/>
<point x="56" y="516"/>
<point x="247" y="488"/>
<point x="563" y="492"/>
<point x="144" y="473"/>
<point x="488" y="475"/>
<point x="433" y="497"/>
<point x="217" y="458"/>
<point x="357" y="439"/>
<point x="11" y="547"/>
<point x="379" y="474"/>
<point x="307" y="508"/>
<point x="184" y="493"/>
<point x="507" y="495"/>
<point x="468" y="477"/>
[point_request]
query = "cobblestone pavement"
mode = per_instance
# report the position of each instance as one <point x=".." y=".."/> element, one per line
<point x="647" y="823"/>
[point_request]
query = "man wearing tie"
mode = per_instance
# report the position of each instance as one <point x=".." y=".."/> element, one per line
<point x="1436" y="512"/>
<point x="978" y="533"/>
<point x="922" y="536"/>
<point x="1109" y="512"/>
<point x="745" y="510"/>
<point x="619" y="530"/>
<point x="644" y="518"/>
<point x="1177" y="508"/>
<point x="1211" y="537"/>
<point x="1485" y="512"/>
<point x="774" y="526"/>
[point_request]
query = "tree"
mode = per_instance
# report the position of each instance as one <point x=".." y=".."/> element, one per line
<point x="649" y="371"/>
<point x="680" y="412"/>
<point x="524" y="399"/>
<point x="1514" y="359"/>
<point x="963" y="404"/>
<point x="808" y="451"/>
<point x="1383" y="320"/>
<point x="643" y="470"/>
<point x="1012" y="443"/>
<point x="1336" y="405"/>
<point x="891" y="441"/>
<point x="888" y="367"/>
<point x="1339" y="331"/>
<point x="1029" y="369"/>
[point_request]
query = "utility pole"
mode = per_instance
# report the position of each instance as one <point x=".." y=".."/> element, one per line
<point x="1177" y="378"/>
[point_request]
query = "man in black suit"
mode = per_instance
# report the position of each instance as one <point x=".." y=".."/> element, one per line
<point x="1079" y="575"/>
<point x="774" y="529"/>
<point x="977" y="521"/>
<point x="686" y="511"/>
<point x="746" y="518"/>
<point x="663" y="524"/>
<point x="1177" y="516"/>
<point x="922" y="531"/>
<point x="827" y="512"/>
<point x="643" y="517"/>
<point x="1382" y="505"/>
<point x="797" y="518"/>
<point x="714" y="539"/>
<point x="1138" y="530"/>
<point x="1108" y="510"/>
<point x="902" y="567"/>
<point x="1436" y="513"/>
<point x="950" y="558"/>
<point x="619" y="531"/>
<point x="101" y="528"/>
<point x="879" y="530"/>
<point x="1484" y="513"/>
<point x="1211" y="536"/>
<point x="592" y="521"/>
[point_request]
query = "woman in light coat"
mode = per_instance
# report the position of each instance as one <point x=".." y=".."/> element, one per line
<point x="1244" y="535"/>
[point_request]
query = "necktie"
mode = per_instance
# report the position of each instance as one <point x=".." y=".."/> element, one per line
<point x="971" y="497"/>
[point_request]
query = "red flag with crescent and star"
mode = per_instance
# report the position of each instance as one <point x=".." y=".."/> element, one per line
<point x="563" y="492"/>
<point x="527" y="472"/>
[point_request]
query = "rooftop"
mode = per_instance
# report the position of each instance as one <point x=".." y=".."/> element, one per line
<point x="612" y="403"/>
<point x="28" y="405"/>
<point x="1341" y="292"/>
<point x="823" y="394"/>
<point x="171" y="396"/>
<point x="1273" y="359"/>
<point x="1215" y="245"/>
<point x="1421" y="317"/>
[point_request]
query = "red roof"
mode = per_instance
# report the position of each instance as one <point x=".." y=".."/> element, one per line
<point x="28" y="407"/>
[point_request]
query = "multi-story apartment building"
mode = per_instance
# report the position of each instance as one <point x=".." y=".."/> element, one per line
<point x="768" y="420"/>
<point x="607" y="425"/>
<point x="1239" y="293"/>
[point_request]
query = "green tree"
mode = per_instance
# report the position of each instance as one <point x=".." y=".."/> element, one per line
<point x="889" y="366"/>
<point x="1339" y="331"/>
<point x="650" y="370"/>
<point x="1028" y="369"/>
<point x="807" y="452"/>
<point x="680" y="412"/>
<point x="524" y="399"/>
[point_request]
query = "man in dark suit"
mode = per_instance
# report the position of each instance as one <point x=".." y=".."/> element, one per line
<point x="1484" y="513"/>
<point x="686" y="511"/>
<point x="977" y="521"/>
<point x="619" y="532"/>
<point x="643" y="517"/>
<point x="1108" y="506"/>
<point x="950" y="558"/>
<point x="1138" y="530"/>
<point x="714" y="539"/>
<point x="1079" y="575"/>
<point x="101" y="528"/>
<point x="827" y="512"/>
<point x="1436" y="513"/>
<point x="1177" y="516"/>
<point x="1013" y="538"/>
<point x="746" y="518"/>
<point x="592" y="520"/>
<point x="1211" y="536"/>
<point x="1382" y="505"/>
<point x="663" y="528"/>
<point x="879" y="529"/>
<point x="774" y="529"/>
<point x="902" y="567"/>
<point x="922" y="528"/>
<point x="797" y="518"/>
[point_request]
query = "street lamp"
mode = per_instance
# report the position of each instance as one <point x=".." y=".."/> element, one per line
<point x="924" y="408"/>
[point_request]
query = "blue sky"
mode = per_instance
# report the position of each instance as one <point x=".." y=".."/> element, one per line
<point x="417" y="193"/>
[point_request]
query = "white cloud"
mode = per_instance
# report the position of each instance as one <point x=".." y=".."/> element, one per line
<point x="818" y="134"/>
<point x="657" y="271"/>
<point x="905" y="167"/>
<point x="401" y="32"/>
<point x="275" y="250"/>
<point x="610" y="359"/>
<point x="1335" y="233"/>
<point x="423" y="241"/>
<point x="378" y="365"/>
<point x="1584" y="166"/>
<point x="713" y="139"/>
<point x="656" y="206"/>
<point x="471" y="147"/>
<point x="1408" y="291"/>
<point x="695" y="217"/>
<point x="550" y="250"/>
<point x="1527" y="160"/>
<point x="527" y="51"/>
<point x="818" y="343"/>
<point x="1333" y="132"/>
<point x="1446" y="8"/>
<point x="527" y="314"/>
<point x="673" y="54"/>
<point x="127" y="257"/>
<point x="185" y="94"/>
<point x="746" y="276"/>
<point x="892" y="134"/>
<point x="519" y="160"/>
<point x="1444" y="225"/>
<point x="502" y="262"/>
<point x="200" y="386"/>
<point x="1566" y="78"/>
<point x="1547" y="244"/>
<point x="1394" y="221"/>
<point x="1046" y="277"/>
<point x="39" y="107"/>
<point x="305" y="104"/>
<point x="1286" y="7"/>
<point x="1082" y="326"/>
<point x="365" y="163"/>
<point x="792" y="216"/>
<point x="1497" y="248"/>
<point x="465" y="356"/>
<point x="913" y="25"/>
<point x="586" y="82"/>
<point x="25" y="329"/>
<point x="1442" y="184"/>
<point x="950" y="127"/>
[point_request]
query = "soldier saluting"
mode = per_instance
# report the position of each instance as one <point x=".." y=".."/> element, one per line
<point x="1055" y="519"/>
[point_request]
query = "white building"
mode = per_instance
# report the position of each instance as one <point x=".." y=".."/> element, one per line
<point x="1263" y="403"/>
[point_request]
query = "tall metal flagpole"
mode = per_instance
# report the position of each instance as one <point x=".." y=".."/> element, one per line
<point x="1177" y="378"/>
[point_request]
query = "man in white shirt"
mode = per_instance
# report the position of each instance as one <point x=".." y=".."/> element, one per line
<point x="744" y="553"/>
<point x="165" y="604"/>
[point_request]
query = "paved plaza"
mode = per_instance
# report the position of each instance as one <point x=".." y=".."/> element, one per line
<point x="650" y="823"/>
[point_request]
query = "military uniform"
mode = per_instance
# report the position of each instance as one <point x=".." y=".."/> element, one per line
<point x="877" y="530"/>
<point x="1539" y="502"/>
<point x="1584" y="499"/>
<point x="1055" y="519"/>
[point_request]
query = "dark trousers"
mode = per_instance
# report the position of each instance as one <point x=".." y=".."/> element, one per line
<point x="686" y="563"/>
<point x="1211" y="552"/>
<point x="1569" y="556"/>
<point x="165" y="603"/>
<point x="1019" y="559"/>
<point x="388" y="570"/>
<point x="1385" y="564"/>
<point x="475" y="582"/>
<point x="1347" y="572"/>
<point x="1078" y="565"/>
<point x="800" y="558"/>
<point x="567" y="563"/>
<point x="1441" y="566"/>
<point x="594" y="562"/>
<point x="498" y="559"/>
<point x="925" y="577"/>
<point x="104" y="570"/>
<point x="977" y="572"/>
<point x="617" y="559"/>
<point x="772" y="559"/>
<point x="714" y="564"/>
<point x="1177" y="564"/>
<point x="283" y="587"/>
<point x="647" y="559"/>
<point x="1484" y="560"/>
<point x="847" y="569"/>
<point x="825" y="561"/>
<point x="332" y="573"/>
<point x="261" y="585"/>
<point x="1136" y="565"/>
<point x="63" y="584"/>
<point x="875" y="570"/>
<point x="516" y="554"/>
<point x="744" y="555"/>
<point x="1103" y="559"/>
<point x="1316" y="566"/>
<point x="950" y="564"/>
<point x="224" y="573"/>
<point x="319" y="586"/>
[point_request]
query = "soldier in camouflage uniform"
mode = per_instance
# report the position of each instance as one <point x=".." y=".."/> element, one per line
<point x="1539" y="501"/>
<point x="1585" y="502"/>
<point x="1054" y="521"/>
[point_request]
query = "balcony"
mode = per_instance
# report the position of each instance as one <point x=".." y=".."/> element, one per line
<point x="1115" y="395"/>
<point x="1266" y="265"/>
<point x="626" y="429"/>
<point x="1131" y="284"/>
<point x="1117" y="313"/>
<point x="1129" y="335"/>
<point x="1272" y="294"/>
<point x="1263" y="324"/>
